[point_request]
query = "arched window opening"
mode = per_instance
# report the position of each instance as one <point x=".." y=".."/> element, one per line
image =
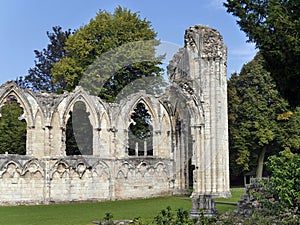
<point x="140" y="134"/>
<point x="79" y="131"/>
<point x="13" y="129"/>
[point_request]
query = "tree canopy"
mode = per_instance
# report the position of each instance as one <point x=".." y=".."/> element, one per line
<point x="111" y="55"/>
<point x="105" y="33"/>
<point x="254" y="105"/>
<point x="39" y="77"/>
<point x="291" y="136"/>
<point x="274" y="26"/>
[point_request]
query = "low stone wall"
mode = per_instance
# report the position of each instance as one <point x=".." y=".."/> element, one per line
<point x="248" y="202"/>
<point x="27" y="180"/>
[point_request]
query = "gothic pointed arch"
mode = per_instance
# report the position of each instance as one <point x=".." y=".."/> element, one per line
<point x="105" y="136"/>
<point x="140" y="131"/>
<point x="33" y="169"/>
<point x="24" y="98"/>
<point x="101" y="169"/>
<point x="60" y="169"/>
<point x="104" y="121"/>
<point x="39" y="118"/>
<point x="80" y="123"/>
<point x="148" y="103"/>
<point x="5" y="167"/>
<point x="127" y="106"/>
<point x="91" y="106"/>
<point x="81" y="167"/>
<point x="165" y="147"/>
<point x="79" y="131"/>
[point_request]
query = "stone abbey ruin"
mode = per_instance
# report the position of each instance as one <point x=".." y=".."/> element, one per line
<point x="189" y="142"/>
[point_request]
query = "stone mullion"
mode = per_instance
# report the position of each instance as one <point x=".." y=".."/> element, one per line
<point x="29" y="150"/>
<point x="197" y="155"/>
<point x="47" y="181"/>
<point x="48" y="139"/>
<point x="96" y="142"/>
<point x="184" y="156"/>
<point x="178" y="165"/>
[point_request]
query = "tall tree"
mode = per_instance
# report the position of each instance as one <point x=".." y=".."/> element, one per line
<point x="96" y="56"/>
<point x="254" y="105"/>
<point x="274" y="26"/>
<point x="39" y="77"/>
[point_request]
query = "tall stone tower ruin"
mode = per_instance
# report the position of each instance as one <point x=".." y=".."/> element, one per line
<point x="199" y="71"/>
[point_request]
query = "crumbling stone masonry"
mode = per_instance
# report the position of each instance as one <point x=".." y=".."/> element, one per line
<point x="189" y="132"/>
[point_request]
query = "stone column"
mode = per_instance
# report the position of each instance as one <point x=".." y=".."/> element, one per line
<point x="199" y="70"/>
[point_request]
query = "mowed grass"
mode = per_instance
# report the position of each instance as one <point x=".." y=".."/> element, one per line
<point x="236" y="194"/>
<point x="85" y="213"/>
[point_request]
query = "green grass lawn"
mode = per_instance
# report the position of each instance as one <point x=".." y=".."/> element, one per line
<point x="235" y="195"/>
<point x="85" y="213"/>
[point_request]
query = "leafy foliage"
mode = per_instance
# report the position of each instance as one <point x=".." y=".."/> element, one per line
<point x="275" y="200"/>
<point x="140" y="130"/>
<point x="106" y="73"/>
<point x="291" y="135"/>
<point x="254" y="105"/>
<point x="39" y="77"/>
<point x="12" y="130"/>
<point x="108" y="219"/>
<point x="274" y="26"/>
<point x="285" y="180"/>
<point x="167" y="217"/>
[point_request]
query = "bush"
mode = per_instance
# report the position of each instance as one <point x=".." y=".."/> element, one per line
<point x="284" y="183"/>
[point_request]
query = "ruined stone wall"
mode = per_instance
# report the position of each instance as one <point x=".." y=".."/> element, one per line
<point x="27" y="180"/>
<point x="189" y="125"/>
<point x="47" y="175"/>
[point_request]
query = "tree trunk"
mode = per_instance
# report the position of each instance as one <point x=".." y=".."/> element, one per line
<point x="260" y="165"/>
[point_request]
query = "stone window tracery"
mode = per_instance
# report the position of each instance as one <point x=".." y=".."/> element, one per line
<point x="140" y="132"/>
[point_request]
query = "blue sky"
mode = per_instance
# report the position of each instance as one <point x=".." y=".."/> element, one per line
<point x="24" y="24"/>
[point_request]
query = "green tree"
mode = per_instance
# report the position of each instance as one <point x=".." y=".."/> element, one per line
<point x="254" y="105"/>
<point x="12" y="130"/>
<point x="39" y="77"/>
<point x="113" y="51"/>
<point x="99" y="40"/>
<point x="291" y="135"/>
<point x="140" y="131"/>
<point x="274" y="26"/>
